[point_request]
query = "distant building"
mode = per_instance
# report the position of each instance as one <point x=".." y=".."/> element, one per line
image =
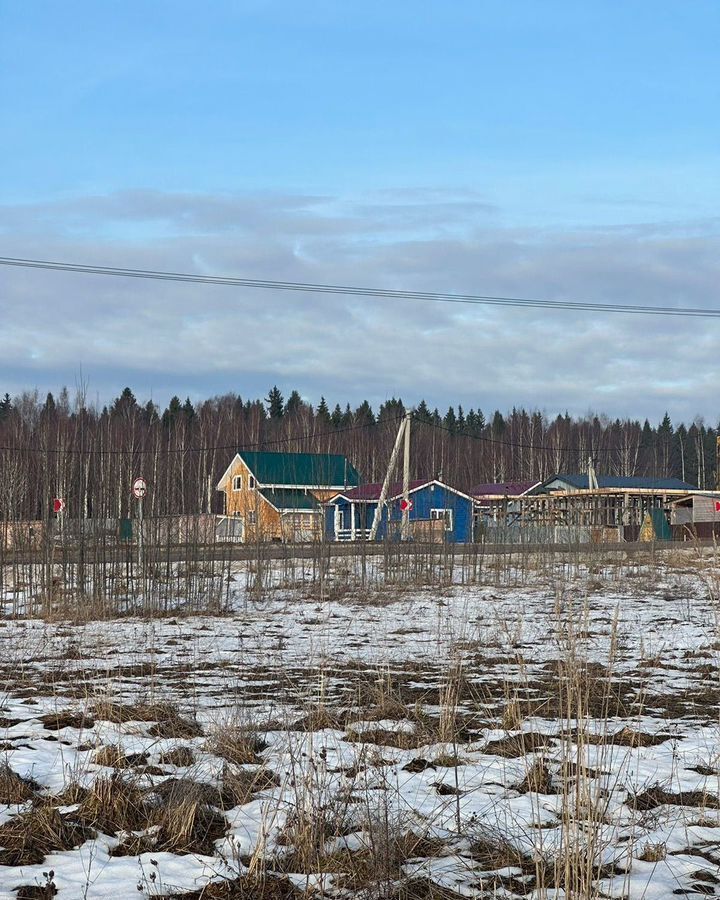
<point x="438" y="513"/>
<point x="279" y="496"/>
<point x="496" y="502"/>
<point x="618" y="502"/>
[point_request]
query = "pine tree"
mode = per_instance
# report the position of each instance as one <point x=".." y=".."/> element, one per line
<point x="336" y="417"/>
<point x="422" y="413"/>
<point x="450" y="420"/>
<point x="293" y="404"/>
<point x="364" y="414"/>
<point x="5" y="407"/>
<point x="323" y="413"/>
<point x="275" y="404"/>
<point x="172" y="413"/>
<point x="125" y="405"/>
<point x="188" y="410"/>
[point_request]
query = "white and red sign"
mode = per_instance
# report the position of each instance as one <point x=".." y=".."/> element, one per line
<point x="717" y="506"/>
<point x="139" y="488"/>
<point x="406" y="505"/>
<point x="58" y="504"/>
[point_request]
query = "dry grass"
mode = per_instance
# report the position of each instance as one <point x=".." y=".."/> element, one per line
<point x="182" y="757"/>
<point x="113" y="756"/>
<point x="237" y="744"/>
<point x="245" y="888"/>
<point x="13" y="788"/>
<point x="168" y="722"/>
<point x="27" y="838"/>
<point x="57" y="720"/>
<point x="239" y="786"/>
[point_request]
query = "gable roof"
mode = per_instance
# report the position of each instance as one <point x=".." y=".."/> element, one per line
<point x="289" y="500"/>
<point x="580" y="483"/>
<point x="502" y="489"/>
<point x="370" y="493"/>
<point x="373" y="490"/>
<point x="318" y="470"/>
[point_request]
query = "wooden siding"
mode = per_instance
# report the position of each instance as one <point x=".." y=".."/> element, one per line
<point x="240" y="504"/>
<point x="270" y="524"/>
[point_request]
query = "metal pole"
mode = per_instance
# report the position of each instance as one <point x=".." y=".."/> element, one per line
<point x="140" y="532"/>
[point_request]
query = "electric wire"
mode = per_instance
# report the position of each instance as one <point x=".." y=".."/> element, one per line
<point x="349" y="290"/>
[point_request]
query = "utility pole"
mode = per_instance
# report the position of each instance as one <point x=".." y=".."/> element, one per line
<point x="402" y="431"/>
<point x="592" y="477"/>
<point x="405" y="526"/>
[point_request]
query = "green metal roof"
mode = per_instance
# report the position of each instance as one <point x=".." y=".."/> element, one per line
<point x="301" y="469"/>
<point x="285" y="499"/>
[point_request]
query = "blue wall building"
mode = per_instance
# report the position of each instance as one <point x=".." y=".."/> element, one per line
<point x="438" y="512"/>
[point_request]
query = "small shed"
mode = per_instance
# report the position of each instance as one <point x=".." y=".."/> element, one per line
<point x="439" y="513"/>
<point x="696" y="508"/>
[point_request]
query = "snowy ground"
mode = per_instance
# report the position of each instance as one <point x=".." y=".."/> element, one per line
<point x="554" y="738"/>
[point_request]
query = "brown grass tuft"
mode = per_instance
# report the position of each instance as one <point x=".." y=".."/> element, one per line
<point x="13" y="788"/>
<point x="236" y="744"/>
<point x="182" y="757"/>
<point x="27" y="838"/>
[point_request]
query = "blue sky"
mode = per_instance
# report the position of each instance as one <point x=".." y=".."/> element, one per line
<point x="554" y="149"/>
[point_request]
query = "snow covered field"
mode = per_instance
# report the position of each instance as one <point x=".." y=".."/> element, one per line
<point x="547" y="734"/>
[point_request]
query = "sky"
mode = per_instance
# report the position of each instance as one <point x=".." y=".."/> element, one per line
<point x="558" y="150"/>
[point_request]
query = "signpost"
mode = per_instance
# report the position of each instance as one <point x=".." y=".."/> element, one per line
<point x="406" y="505"/>
<point x="139" y="490"/>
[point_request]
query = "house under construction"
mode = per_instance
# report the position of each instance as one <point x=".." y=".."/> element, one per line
<point x="589" y="507"/>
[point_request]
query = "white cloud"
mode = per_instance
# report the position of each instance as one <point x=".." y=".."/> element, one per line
<point x="201" y="339"/>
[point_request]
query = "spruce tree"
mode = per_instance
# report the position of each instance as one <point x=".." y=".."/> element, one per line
<point x="275" y="403"/>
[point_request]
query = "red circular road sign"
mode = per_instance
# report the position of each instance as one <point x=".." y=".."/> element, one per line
<point x="139" y="488"/>
<point x="406" y="505"/>
<point x="58" y="504"/>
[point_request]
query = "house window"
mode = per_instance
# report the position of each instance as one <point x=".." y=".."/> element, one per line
<point x="251" y="482"/>
<point x="445" y="514"/>
<point x="252" y="517"/>
<point x="237" y="483"/>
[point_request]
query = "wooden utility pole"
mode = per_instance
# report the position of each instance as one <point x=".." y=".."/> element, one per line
<point x="403" y="430"/>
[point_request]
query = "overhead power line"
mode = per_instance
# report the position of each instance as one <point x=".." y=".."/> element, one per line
<point x="209" y="448"/>
<point x="379" y="293"/>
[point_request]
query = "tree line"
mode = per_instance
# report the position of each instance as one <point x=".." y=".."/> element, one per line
<point x="64" y="447"/>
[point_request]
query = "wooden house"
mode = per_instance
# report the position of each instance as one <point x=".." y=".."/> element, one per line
<point x="279" y="496"/>
<point x="438" y="513"/>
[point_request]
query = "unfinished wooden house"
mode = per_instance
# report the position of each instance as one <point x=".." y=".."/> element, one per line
<point x="615" y="509"/>
<point x="279" y="496"/>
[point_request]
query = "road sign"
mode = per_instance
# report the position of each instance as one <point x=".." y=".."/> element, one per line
<point x="406" y="505"/>
<point x="717" y="506"/>
<point x="58" y="504"/>
<point x="139" y="488"/>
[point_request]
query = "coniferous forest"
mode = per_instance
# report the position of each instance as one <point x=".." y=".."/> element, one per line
<point x="60" y="446"/>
